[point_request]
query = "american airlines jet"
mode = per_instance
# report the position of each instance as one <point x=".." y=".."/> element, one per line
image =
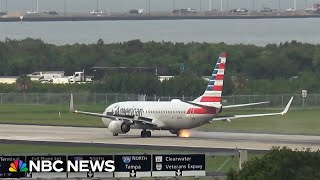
<point x="175" y="115"/>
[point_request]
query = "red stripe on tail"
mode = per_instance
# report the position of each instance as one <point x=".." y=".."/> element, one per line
<point x="217" y="88"/>
<point x="201" y="111"/>
<point x="210" y="99"/>
<point x="222" y="66"/>
<point x="219" y="77"/>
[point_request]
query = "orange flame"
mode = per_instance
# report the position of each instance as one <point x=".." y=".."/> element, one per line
<point x="184" y="133"/>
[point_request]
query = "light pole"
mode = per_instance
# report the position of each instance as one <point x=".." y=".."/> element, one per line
<point x="65" y="7"/>
<point x="252" y="4"/>
<point x="227" y="8"/>
<point x="209" y="5"/>
<point x="37" y="6"/>
<point x="279" y="5"/>
<point x="306" y="4"/>
<point x="97" y="5"/>
<point x="6" y="6"/>
<point x="221" y="6"/>
<point x="227" y="5"/>
<point x="173" y="4"/>
<point x="149" y="8"/>
<point x="200" y="5"/>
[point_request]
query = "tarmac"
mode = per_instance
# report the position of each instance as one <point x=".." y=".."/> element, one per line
<point x="198" y="141"/>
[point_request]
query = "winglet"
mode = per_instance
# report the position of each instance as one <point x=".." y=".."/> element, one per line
<point x="71" y="103"/>
<point x="287" y="107"/>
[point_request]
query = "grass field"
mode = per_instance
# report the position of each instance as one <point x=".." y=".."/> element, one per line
<point x="297" y="121"/>
<point x="48" y="115"/>
<point x="59" y="149"/>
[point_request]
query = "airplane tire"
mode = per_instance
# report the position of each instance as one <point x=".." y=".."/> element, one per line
<point x="143" y="134"/>
<point x="178" y="134"/>
<point x="148" y="133"/>
<point x="174" y="131"/>
<point x="115" y="134"/>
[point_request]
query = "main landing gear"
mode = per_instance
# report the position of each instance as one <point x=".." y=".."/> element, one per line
<point x="115" y="134"/>
<point x="175" y="131"/>
<point x="145" y="133"/>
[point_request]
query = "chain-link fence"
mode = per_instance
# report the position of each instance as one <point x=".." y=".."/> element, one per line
<point x="109" y="98"/>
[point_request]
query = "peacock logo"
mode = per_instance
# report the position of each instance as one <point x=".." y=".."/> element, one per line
<point x="18" y="166"/>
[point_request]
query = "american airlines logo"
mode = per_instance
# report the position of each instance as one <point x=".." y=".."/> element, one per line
<point x="127" y="111"/>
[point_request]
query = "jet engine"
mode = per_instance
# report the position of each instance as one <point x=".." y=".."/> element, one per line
<point x="118" y="127"/>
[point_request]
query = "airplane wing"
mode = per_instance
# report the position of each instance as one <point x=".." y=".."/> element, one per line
<point x="128" y="119"/>
<point x="230" y="117"/>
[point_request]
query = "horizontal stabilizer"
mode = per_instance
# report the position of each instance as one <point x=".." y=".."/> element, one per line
<point x="243" y="105"/>
<point x="230" y="117"/>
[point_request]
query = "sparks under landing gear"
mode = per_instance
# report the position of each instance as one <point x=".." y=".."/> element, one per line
<point x="115" y="134"/>
<point x="145" y="133"/>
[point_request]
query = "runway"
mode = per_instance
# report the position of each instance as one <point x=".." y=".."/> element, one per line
<point x="162" y="139"/>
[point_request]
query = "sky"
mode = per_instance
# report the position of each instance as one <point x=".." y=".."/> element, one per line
<point x="156" y="5"/>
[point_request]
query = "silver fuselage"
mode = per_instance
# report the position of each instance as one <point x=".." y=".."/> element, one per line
<point x="166" y="114"/>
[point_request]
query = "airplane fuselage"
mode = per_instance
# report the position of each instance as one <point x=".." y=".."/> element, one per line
<point x="167" y="115"/>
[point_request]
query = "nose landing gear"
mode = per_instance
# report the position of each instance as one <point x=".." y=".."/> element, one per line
<point x="145" y="133"/>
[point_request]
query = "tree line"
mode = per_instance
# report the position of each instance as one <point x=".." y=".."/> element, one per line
<point x="284" y="68"/>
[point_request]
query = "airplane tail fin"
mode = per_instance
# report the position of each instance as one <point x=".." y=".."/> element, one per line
<point x="214" y="88"/>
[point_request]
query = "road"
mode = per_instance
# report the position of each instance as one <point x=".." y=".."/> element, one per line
<point x="162" y="139"/>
